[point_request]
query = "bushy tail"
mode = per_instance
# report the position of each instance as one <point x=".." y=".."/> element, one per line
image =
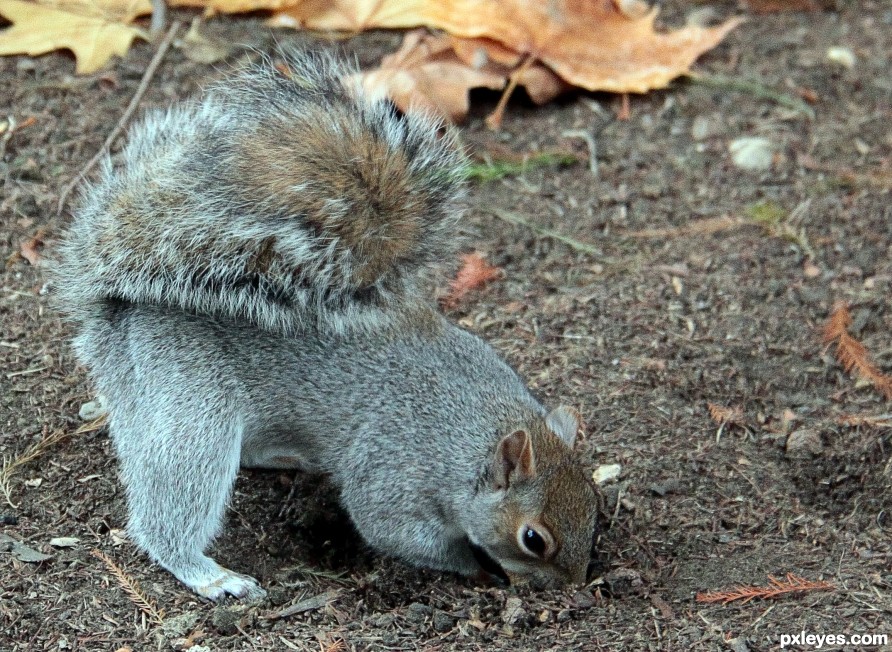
<point x="284" y="197"/>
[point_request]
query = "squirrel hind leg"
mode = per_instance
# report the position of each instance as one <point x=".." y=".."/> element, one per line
<point x="179" y="471"/>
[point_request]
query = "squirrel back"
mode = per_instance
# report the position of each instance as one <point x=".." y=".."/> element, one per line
<point x="284" y="198"/>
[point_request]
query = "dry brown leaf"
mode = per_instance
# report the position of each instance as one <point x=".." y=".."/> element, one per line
<point x="436" y="72"/>
<point x="426" y="74"/>
<point x="851" y="353"/>
<point x="722" y="415"/>
<point x="93" y="30"/>
<point x="475" y="272"/>
<point x="31" y="249"/>
<point x="602" y="45"/>
<point x="540" y="82"/>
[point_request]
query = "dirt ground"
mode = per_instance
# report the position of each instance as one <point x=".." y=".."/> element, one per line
<point x="658" y="319"/>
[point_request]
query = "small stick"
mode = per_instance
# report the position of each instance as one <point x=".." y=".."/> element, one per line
<point x="551" y="233"/>
<point x="755" y="88"/>
<point x="589" y="140"/>
<point x="163" y="46"/>
<point x="159" y="17"/>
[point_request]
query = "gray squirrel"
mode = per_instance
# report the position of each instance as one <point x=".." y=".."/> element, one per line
<point x="251" y="286"/>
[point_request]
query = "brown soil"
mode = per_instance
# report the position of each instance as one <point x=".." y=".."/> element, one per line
<point x="641" y="336"/>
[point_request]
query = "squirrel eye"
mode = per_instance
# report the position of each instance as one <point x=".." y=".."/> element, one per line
<point x="533" y="541"/>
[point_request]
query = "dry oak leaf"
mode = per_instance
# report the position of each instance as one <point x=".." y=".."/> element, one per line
<point x="426" y="74"/>
<point x="606" y="45"/>
<point x="475" y="272"/>
<point x="435" y="73"/>
<point x="93" y="31"/>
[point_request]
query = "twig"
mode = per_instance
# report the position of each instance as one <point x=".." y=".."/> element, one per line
<point x="474" y="273"/>
<point x="307" y="604"/>
<point x="578" y="245"/>
<point x="700" y="227"/>
<point x="754" y="88"/>
<point x="592" y="144"/>
<point x="159" y="17"/>
<point x="131" y="587"/>
<point x="163" y="46"/>
<point x="494" y="119"/>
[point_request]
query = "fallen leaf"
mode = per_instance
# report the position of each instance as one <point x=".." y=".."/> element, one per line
<point x="475" y="272"/>
<point x="93" y="30"/>
<point x="601" y="45"/>
<point x="31" y="248"/>
<point x="426" y="74"/>
<point x="436" y="73"/>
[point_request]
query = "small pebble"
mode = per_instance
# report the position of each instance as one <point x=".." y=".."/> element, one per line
<point x="842" y="56"/>
<point x="442" y="621"/>
<point x="804" y="443"/>
<point x="92" y="409"/>
<point x="751" y="153"/>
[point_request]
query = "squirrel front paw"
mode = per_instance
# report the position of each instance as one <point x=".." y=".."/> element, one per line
<point x="228" y="583"/>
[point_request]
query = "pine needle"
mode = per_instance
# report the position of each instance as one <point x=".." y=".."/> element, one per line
<point x="865" y="420"/>
<point x="726" y="415"/>
<point x="13" y="464"/>
<point x="131" y="587"/>
<point x="851" y="353"/>
<point x="776" y="588"/>
<point x="91" y="426"/>
<point x="698" y="227"/>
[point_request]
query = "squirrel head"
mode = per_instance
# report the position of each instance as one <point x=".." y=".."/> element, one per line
<point x="535" y="511"/>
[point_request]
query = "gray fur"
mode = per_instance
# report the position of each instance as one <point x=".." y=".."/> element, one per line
<point x="181" y="180"/>
<point x="203" y="374"/>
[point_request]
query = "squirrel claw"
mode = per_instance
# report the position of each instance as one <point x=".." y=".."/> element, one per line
<point x="230" y="583"/>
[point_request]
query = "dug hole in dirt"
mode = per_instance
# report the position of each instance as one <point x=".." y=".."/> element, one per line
<point x="681" y="311"/>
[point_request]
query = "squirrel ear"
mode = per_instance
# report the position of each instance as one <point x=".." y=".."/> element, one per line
<point x="514" y="460"/>
<point x="565" y="422"/>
